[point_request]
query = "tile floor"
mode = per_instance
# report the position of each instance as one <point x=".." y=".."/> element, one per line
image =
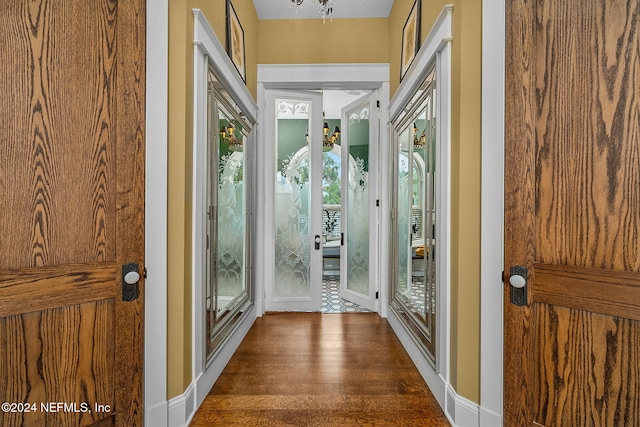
<point x="331" y="301"/>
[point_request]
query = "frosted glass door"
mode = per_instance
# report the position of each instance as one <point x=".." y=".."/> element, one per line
<point x="297" y="247"/>
<point x="359" y="152"/>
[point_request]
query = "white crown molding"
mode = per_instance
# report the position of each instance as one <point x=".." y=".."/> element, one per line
<point x="323" y="76"/>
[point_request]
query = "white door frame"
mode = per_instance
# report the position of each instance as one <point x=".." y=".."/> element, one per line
<point x="492" y="214"/>
<point x="155" y="308"/>
<point x="316" y="77"/>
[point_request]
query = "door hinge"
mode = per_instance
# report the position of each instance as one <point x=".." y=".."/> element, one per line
<point x="377" y="203"/>
<point x="145" y="272"/>
<point x="378" y="103"/>
<point x="377" y="294"/>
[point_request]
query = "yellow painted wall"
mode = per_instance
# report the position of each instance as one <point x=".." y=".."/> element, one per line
<point x="465" y="174"/>
<point x="310" y="41"/>
<point x="180" y="124"/>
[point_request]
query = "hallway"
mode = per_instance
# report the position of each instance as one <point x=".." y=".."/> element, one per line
<point x="312" y="369"/>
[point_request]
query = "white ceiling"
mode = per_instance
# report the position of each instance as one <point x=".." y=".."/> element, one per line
<point x="285" y="9"/>
<point x="334" y="100"/>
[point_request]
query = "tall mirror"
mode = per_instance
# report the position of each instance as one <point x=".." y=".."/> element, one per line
<point x="228" y="290"/>
<point x="414" y="281"/>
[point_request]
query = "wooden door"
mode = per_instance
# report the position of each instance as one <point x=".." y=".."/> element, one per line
<point x="572" y="212"/>
<point x="72" y="99"/>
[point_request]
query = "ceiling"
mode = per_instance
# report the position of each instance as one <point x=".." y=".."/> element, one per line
<point x="285" y="9"/>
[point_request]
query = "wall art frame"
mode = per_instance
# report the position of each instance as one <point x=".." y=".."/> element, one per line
<point x="410" y="37"/>
<point x="235" y="41"/>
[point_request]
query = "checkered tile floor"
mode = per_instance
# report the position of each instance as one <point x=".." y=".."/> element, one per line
<point x="331" y="301"/>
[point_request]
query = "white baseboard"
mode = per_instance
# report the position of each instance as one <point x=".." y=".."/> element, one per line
<point x="157" y="415"/>
<point x="460" y="411"/>
<point x="489" y="418"/>
<point x="182" y="408"/>
<point x="205" y="380"/>
<point x="436" y="383"/>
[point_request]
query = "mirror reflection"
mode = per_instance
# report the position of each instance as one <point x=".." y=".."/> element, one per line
<point x="414" y="294"/>
<point x="227" y="237"/>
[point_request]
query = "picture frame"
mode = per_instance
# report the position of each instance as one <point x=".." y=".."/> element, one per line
<point x="235" y="41"/>
<point x="410" y="38"/>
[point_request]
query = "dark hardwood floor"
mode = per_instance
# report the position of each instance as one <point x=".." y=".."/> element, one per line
<point x="312" y="369"/>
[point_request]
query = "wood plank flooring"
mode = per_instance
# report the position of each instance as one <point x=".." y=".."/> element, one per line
<point x="313" y="369"/>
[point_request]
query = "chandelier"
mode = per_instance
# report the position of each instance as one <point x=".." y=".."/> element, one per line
<point x="228" y="135"/>
<point x="328" y="141"/>
<point x="325" y="6"/>
<point x="423" y="138"/>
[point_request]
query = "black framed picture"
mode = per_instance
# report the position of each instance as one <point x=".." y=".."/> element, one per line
<point x="235" y="41"/>
<point x="410" y="38"/>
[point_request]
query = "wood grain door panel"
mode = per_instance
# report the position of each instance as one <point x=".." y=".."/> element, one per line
<point x="72" y="75"/>
<point x="43" y="288"/>
<point x="59" y="355"/>
<point x="587" y="368"/>
<point x="609" y="292"/>
<point x="572" y="212"/>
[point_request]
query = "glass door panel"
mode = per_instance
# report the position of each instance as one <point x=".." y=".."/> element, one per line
<point x="297" y="278"/>
<point x="359" y="149"/>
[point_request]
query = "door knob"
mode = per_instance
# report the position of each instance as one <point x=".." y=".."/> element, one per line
<point x="132" y="277"/>
<point x="517" y="281"/>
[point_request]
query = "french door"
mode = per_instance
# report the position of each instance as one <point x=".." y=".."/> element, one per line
<point x="359" y="149"/>
<point x="321" y="199"/>
<point x="294" y="132"/>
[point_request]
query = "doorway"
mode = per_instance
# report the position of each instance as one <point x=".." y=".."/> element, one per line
<point x="325" y="152"/>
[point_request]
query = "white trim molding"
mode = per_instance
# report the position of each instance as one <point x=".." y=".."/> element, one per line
<point x="439" y="36"/>
<point x="208" y="52"/>
<point x="436" y="52"/>
<point x="322" y="76"/>
<point x="155" y="311"/>
<point x="492" y="213"/>
<point x="206" y="379"/>
<point x="182" y="408"/>
<point x="461" y="412"/>
<point x="315" y="77"/>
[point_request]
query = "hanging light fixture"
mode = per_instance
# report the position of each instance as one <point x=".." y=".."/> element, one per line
<point x="325" y="6"/>
<point x="423" y="138"/>
<point x="228" y="135"/>
<point x="329" y="141"/>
